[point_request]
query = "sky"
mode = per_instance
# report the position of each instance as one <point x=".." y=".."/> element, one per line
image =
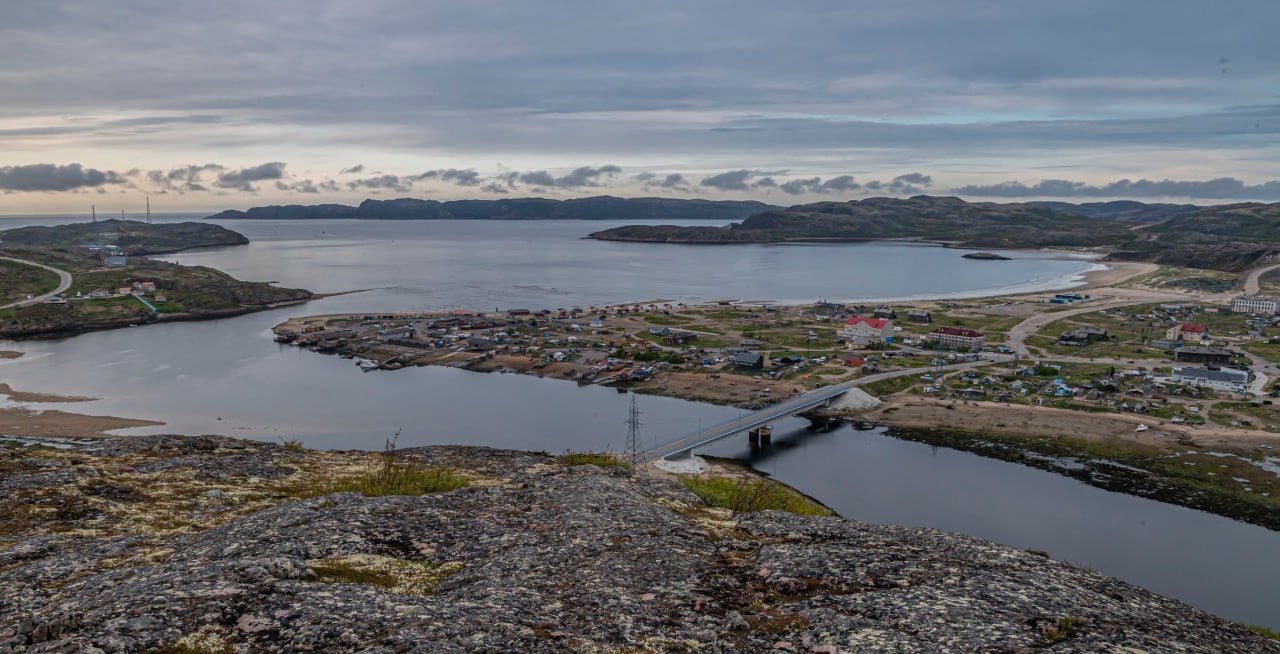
<point x="210" y="106"/>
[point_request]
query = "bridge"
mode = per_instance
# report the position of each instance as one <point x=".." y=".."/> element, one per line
<point x="757" y="423"/>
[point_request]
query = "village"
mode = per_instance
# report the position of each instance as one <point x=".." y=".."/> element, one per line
<point x="1185" y="363"/>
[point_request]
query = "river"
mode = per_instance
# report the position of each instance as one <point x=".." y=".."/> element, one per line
<point x="228" y="377"/>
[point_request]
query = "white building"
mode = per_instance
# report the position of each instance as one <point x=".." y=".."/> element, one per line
<point x="957" y="338"/>
<point x="872" y="328"/>
<point x="1222" y="379"/>
<point x="1255" y="304"/>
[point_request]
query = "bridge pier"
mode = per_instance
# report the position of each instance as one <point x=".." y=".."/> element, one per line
<point x="760" y="437"/>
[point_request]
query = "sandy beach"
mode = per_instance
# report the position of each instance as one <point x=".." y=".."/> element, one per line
<point x="1116" y="273"/>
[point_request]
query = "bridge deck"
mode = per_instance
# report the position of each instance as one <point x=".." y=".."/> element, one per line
<point x="743" y="423"/>
<point x="791" y="406"/>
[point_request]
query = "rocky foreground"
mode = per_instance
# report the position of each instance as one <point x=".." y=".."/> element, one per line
<point x="169" y="544"/>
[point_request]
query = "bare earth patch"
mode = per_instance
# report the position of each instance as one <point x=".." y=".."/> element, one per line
<point x="18" y="421"/>
<point x="24" y="396"/>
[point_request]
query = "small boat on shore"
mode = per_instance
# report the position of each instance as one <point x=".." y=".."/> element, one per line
<point x="367" y="364"/>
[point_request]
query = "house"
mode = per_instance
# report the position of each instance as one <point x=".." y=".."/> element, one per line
<point x="854" y="361"/>
<point x="1255" y="304"/>
<point x="750" y="344"/>
<point x="679" y="338"/>
<point x="828" y="310"/>
<point x="1222" y="379"/>
<point x="957" y="338"/>
<point x="885" y="313"/>
<point x="144" y="287"/>
<point x="917" y="316"/>
<point x="479" y="343"/>
<point x="1193" y="332"/>
<point x="660" y="331"/>
<point x="1083" y="336"/>
<point x="789" y="360"/>
<point x="124" y="290"/>
<point x="395" y="333"/>
<point x="99" y="292"/>
<point x="752" y="360"/>
<point x="875" y="328"/>
<point x="518" y="313"/>
<point x="1210" y="355"/>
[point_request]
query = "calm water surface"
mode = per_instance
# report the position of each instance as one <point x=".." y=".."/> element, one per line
<point x="228" y="377"/>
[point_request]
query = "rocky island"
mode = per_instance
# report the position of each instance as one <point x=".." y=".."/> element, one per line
<point x="210" y="544"/>
<point x="985" y="256"/>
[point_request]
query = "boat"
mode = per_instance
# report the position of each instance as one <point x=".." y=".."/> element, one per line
<point x="1142" y="428"/>
<point x="367" y="364"/>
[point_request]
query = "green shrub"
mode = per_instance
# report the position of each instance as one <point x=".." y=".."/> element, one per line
<point x="748" y="495"/>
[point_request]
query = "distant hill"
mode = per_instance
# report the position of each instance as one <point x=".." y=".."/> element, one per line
<point x="979" y="225"/>
<point x="1233" y="237"/>
<point x="1252" y="222"/>
<point x="1124" y="210"/>
<point x="594" y="208"/>
<point x="131" y="236"/>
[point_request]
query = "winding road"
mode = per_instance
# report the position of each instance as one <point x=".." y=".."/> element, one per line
<point x="64" y="282"/>
<point x="1252" y="283"/>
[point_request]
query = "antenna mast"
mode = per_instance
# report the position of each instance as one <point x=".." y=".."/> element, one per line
<point x="148" y="209"/>
<point x="633" y="433"/>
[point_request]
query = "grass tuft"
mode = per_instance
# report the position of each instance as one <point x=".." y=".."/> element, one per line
<point x="395" y="474"/>
<point x="1263" y="631"/>
<point x="748" y="495"/>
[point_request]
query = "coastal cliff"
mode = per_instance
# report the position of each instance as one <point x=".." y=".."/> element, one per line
<point x="210" y="544"/>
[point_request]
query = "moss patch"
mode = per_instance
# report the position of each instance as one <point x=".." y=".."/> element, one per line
<point x="390" y="574"/>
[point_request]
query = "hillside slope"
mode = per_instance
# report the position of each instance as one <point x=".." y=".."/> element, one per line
<point x="174" y="544"/>
<point x="983" y="225"/>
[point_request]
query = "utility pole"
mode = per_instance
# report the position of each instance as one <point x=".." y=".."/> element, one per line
<point x="633" y="433"/>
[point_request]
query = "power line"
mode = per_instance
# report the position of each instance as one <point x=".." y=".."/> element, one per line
<point x="633" y="432"/>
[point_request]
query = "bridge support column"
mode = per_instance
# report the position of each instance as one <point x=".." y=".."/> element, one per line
<point x="760" y="437"/>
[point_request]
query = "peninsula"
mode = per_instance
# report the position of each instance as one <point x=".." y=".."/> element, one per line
<point x="68" y="279"/>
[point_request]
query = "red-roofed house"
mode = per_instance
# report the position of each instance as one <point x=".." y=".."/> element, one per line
<point x="957" y="338"/>
<point x="873" y="328"/>
<point x="1193" y="332"/>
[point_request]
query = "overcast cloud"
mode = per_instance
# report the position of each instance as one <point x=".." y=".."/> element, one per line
<point x="972" y="95"/>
